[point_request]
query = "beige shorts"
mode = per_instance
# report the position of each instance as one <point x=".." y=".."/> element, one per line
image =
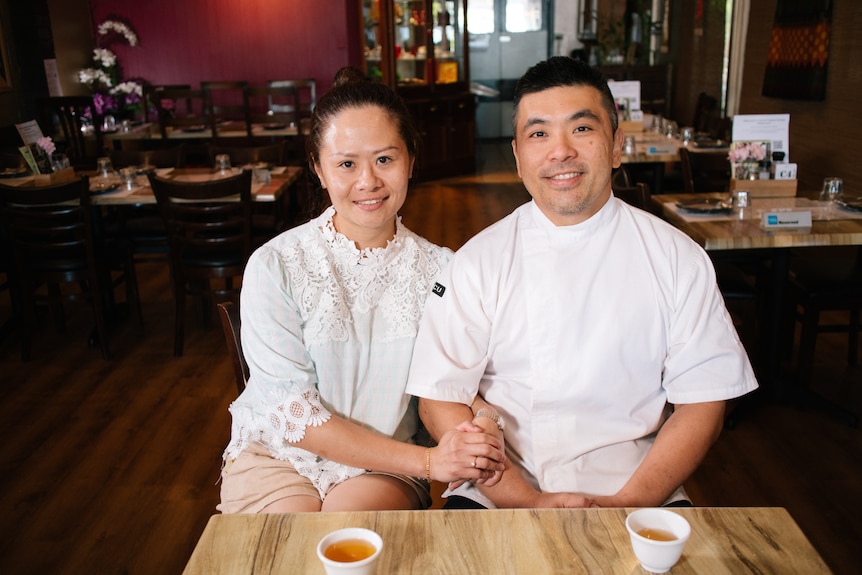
<point x="256" y="479"/>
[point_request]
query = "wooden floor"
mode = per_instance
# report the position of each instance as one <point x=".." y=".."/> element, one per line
<point x="111" y="466"/>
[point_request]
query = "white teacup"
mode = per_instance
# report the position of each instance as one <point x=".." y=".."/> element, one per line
<point x="350" y="551"/>
<point x="658" y="537"/>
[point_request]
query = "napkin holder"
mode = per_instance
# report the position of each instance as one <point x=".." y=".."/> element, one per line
<point x="765" y="188"/>
<point x="58" y="177"/>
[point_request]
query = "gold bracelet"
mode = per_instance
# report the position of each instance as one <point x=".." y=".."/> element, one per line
<point x="428" y="464"/>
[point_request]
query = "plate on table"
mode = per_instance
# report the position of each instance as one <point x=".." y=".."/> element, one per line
<point x="274" y="126"/>
<point x="97" y="188"/>
<point x="851" y="205"/>
<point x="705" y="206"/>
<point x="14" y="172"/>
<point x="194" y="129"/>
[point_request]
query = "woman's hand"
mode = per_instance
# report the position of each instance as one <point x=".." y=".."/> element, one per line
<point x="467" y="453"/>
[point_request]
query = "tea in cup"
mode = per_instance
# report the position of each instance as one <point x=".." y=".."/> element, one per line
<point x="350" y="551"/>
<point x="658" y="537"/>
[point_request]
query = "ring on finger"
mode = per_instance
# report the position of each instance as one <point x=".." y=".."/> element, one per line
<point x="473" y="463"/>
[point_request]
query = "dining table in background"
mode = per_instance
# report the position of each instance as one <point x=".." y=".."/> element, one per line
<point x="655" y="150"/>
<point x="282" y="180"/>
<point x="831" y="226"/>
<point x="226" y="132"/>
<point x="727" y="540"/>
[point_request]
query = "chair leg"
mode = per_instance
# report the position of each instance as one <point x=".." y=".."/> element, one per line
<point x="98" y="304"/>
<point x="853" y="338"/>
<point x="132" y="294"/>
<point x="807" y="342"/>
<point x="30" y="317"/>
<point x="55" y="304"/>
<point x="179" y="309"/>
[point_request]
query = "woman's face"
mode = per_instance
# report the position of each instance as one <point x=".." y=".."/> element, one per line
<point x="365" y="167"/>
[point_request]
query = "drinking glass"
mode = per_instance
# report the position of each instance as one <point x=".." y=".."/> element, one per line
<point x="59" y="161"/>
<point x="128" y="176"/>
<point x="222" y="164"/>
<point x="833" y="190"/>
<point x="687" y="136"/>
<point x="629" y="147"/>
<point x="104" y="167"/>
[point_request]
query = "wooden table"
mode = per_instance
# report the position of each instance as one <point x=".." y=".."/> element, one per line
<point x="149" y="131"/>
<point x="724" y="233"/>
<point x="518" y="541"/>
<point x="650" y="148"/>
<point x="281" y="183"/>
<point x="728" y="233"/>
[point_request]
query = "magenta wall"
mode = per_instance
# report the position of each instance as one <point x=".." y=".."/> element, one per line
<point x="187" y="41"/>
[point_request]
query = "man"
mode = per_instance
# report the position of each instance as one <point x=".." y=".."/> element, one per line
<point x="595" y="330"/>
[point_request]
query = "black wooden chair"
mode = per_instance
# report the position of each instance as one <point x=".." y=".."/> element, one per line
<point x="306" y="93"/>
<point x="65" y="118"/>
<point x="826" y="280"/>
<point x="230" y="323"/>
<point x="141" y="224"/>
<point x="183" y="109"/>
<point x="226" y="104"/>
<point x="209" y="230"/>
<point x="53" y="243"/>
<point x="637" y="195"/>
<point x="704" y="171"/>
<point x="152" y="99"/>
<point x="271" y="105"/>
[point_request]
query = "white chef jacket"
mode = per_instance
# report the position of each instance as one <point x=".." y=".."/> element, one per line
<point x="580" y="336"/>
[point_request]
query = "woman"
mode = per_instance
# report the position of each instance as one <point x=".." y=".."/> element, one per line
<point x="329" y="316"/>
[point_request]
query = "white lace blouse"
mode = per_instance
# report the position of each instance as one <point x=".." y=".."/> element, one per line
<point x="327" y="328"/>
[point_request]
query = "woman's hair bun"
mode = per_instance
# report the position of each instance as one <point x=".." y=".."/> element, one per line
<point x="349" y="75"/>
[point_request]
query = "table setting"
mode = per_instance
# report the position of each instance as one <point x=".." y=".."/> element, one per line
<point x="620" y="541"/>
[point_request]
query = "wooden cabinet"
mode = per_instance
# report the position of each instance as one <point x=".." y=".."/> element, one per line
<point x="447" y="126"/>
<point x="419" y="47"/>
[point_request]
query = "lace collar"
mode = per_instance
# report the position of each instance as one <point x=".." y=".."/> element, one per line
<point x="345" y="249"/>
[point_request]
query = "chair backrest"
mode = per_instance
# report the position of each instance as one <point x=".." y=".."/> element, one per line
<point x="704" y="171"/>
<point x="268" y="105"/>
<point x="230" y="323"/>
<point x="621" y="178"/>
<point x="63" y="118"/>
<point x="705" y="111"/>
<point x="637" y="195"/>
<point x="183" y="109"/>
<point x="306" y="93"/>
<point x="244" y="155"/>
<point x="50" y="229"/>
<point x="160" y="158"/>
<point x="208" y="223"/>
<point x="226" y="101"/>
<point x="151" y="97"/>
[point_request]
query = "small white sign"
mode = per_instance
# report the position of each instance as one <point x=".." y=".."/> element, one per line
<point x="785" y="171"/>
<point x="773" y="220"/>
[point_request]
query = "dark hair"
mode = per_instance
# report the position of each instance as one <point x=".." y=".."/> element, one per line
<point x="351" y="89"/>
<point x="561" y="71"/>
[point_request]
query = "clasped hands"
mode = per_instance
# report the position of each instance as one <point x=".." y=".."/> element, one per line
<point x="467" y="453"/>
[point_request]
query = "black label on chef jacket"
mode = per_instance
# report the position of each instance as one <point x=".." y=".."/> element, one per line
<point x="438" y="289"/>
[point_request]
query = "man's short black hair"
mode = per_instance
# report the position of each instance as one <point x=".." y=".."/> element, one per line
<point x="561" y="71"/>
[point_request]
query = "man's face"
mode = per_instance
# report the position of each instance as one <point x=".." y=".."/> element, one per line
<point x="565" y="150"/>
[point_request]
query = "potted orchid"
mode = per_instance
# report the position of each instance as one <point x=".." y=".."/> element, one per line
<point x="112" y="94"/>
